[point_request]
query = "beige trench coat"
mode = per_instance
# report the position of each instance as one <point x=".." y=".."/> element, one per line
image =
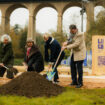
<point x="78" y="47"/>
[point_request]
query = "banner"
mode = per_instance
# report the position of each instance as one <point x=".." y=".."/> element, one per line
<point x="98" y="55"/>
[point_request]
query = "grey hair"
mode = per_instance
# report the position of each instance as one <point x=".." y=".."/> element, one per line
<point x="30" y="40"/>
<point x="47" y="35"/>
<point x="5" y="36"/>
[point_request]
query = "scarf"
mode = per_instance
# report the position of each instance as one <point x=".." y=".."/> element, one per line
<point x="70" y="39"/>
<point x="28" y="51"/>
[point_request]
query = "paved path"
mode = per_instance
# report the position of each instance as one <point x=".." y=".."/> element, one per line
<point x="97" y="77"/>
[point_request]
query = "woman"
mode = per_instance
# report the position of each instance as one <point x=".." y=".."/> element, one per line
<point x="33" y="57"/>
<point x="6" y="57"/>
<point x="55" y="48"/>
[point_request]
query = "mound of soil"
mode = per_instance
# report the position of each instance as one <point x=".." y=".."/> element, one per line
<point x="31" y="84"/>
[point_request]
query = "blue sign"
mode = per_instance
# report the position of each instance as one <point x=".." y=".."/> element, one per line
<point x="85" y="61"/>
<point x="100" y="43"/>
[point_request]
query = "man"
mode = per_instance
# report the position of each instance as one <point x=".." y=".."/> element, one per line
<point x="77" y="45"/>
<point x="55" y="48"/>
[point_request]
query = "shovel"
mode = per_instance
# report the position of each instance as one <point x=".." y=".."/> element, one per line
<point x="5" y="67"/>
<point x="15" y="71"/>
<point x="51" y="74"/>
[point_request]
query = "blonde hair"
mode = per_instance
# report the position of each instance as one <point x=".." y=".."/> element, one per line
<point x="5" y="36"/>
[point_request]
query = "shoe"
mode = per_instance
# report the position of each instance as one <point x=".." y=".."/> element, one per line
<point x="56" y="82"/>
<point x="79" y="85"/>
<point x="73" y="84"/>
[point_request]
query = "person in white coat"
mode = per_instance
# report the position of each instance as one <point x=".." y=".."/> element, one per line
<point x="78" y="53"/>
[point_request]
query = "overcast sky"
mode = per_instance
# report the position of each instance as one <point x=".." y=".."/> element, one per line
<point x="46" y="18"/>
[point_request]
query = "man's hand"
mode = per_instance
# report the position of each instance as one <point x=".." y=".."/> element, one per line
<point x="50" y="65"/>
<point x="63" y="48"/>
<point x="1" y="64"/>
<point x="64" y="44"/>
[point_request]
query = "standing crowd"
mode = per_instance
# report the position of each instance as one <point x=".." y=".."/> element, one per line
<point x="33" y="59"/>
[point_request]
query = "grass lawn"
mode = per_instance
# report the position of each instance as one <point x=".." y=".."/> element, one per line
<point x="71" y="96"/>
<point x="18" y="61"/>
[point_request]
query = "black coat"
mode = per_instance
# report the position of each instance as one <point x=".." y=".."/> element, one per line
<point x="6" y="54"/>
<point x="35" y="60"/>
<point x="54" y="47"/>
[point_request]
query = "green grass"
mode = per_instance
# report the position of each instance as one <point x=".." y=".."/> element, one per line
<point x="71" y="96"/>
<point x="18" y="61"/>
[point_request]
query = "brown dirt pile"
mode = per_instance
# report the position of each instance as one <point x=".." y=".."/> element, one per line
<point x="31" y="84"/>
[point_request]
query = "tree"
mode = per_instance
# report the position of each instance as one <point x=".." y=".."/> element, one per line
<point x="96" y="28"/>
<point x="60" y="37"/>
<point x="23" y="39"/>
<point x="40" y="42"/>
<point x="15" y="43"/>
<point x="16" y="29"/>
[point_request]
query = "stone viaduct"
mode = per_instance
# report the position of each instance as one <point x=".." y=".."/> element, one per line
<point x="33" y="6"/>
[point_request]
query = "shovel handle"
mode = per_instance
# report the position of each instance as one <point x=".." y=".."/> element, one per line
<point x="5" y="67"/>
<point x="57" y="59"/>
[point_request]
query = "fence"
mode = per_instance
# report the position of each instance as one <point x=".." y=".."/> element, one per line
<point x="87" y="61"/>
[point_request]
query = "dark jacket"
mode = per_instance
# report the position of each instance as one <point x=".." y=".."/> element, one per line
<point x="6" y="54"/>
<point x="35" y="60"/>
<point x="54" y="47"/>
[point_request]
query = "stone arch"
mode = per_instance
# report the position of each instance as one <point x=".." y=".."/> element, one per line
<point x="48" y="21"/>
<point x="32" y="17"/>
<point x="72" y="16"/>
<point x="99" y="3"/>
<point x="96" y="11"/>
<point x="73" y="5"/>
<point x="40" y="6"/>
<point x="78" y="4"/>
<point x="11" y="8"/>
<point x="6" y="16"/>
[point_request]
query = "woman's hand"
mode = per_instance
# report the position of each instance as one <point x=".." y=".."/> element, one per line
<point x="25" y="65"/>
<point x="1" y="64"/>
